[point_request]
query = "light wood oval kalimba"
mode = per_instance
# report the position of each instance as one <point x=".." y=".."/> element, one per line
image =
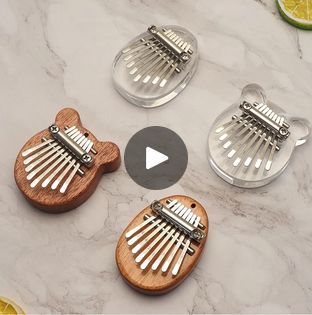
<point x="162" y="244"/>
<point x="59" y="168"/>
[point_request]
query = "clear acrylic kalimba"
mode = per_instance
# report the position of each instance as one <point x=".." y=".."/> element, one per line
<point x="162" y="244"/>
<point x="60" y="167"/>
<point x="156" y="65"/>
<point x="252" y="141"/>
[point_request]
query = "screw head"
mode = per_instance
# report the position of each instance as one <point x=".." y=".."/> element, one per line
<point x="283" y="131"/>
<point x="87" y="158"/>
<point x="54" y="129"/>
<point x="246" y="105"/>
<point x="185" y="56"/>
<point x="152" y="29"/>
<point x="157" y="206"/>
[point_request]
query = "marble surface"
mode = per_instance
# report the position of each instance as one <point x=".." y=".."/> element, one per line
<point x="56" y="53"/>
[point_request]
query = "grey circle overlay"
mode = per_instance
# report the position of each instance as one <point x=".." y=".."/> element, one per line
<point x="162" y="140"/>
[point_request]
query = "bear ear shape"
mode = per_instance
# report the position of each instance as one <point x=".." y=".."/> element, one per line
<point x="162" y="244"/>
<point x="156" y="66"/>
<point x="252" y="141"/>
<point x="59" y="168"/>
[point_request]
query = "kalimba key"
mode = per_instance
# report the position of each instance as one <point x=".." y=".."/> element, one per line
<point x="162" y="244"/>
<point x="156" y="65"/>
<point x="252" y="141"/>
<point x="60" y="167"/>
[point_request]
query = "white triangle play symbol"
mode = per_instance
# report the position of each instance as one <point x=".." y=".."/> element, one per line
<point x="153" y="158"/>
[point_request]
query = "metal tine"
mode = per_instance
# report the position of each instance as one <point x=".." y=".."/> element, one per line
<point x="67" y="169"/>
<point x="143" y="55"/>
<point x="143" y="70"/>
<point x="134" y="66"/>
<point x="162" y="72"/>
<point x="234" y="137"/>
<point x="239" y="143"/>
<point x="158" y="248"/>
<point x="136" y="49"/>
<point x="234" y="126"/>
<point x="144" y="62"/>
<point x="150" y="236"/>
<point x="66" y="160"/>
<point x="34" y="156"/>
<point x="150" y="246"/>
<point x="262" y="153"/>
<point x="168" y="75"/>
<point x="43" y="165"/>
<point x="142" y="233"/>
<point x="137" y="43"/>
<point x="155" y="65"/>
<point x="156" y="69"/>
<point x="254" y="150"/>
<point x="178" y="264"/>
<point x="47" y="171"/>
<point x="242" y="146"/>
<point x="69" y="178"/>
<point x="139" y="227"/>
<point x="190" y="218"/>
<point x="60" y="178"/>
<point x="69" y="129"/>
<point x="154" y="242"/>
<point x="270" y="159"/>
<point x="87" y="146"/>
<point x="78" y="137"/>
<point x="35" y="148"/>
<point x="44" y="157"/>
<point x="245" y="148"/>
<point x="168" y="231"/>
<point x="227" y="124"/>
<point x="145" y="222"/>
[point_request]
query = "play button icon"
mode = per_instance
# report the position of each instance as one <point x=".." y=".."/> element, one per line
<point x="156" y="157"/>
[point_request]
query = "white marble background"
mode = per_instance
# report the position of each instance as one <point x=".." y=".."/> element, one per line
<point x="56" y="53"/>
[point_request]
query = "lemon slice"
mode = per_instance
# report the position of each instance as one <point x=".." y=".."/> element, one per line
<point x="296" y="12"/>
<point x="8" y="307"/>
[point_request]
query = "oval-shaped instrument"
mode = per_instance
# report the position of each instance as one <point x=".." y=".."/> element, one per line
<point x="60" y="167"/>
<point x="252" y="141"/>
<point x="156" y="66"/>
<point x="162" y="244"/>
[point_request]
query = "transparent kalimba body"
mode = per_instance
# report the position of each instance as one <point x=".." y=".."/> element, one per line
<point x="155" y="66"/>
<point x="252" y="141"/>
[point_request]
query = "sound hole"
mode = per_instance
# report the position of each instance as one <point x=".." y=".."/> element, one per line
<point x="193" y="205"/>
<point x="86" y="134"/>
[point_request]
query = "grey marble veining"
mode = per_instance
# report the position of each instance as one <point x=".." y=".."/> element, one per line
<point x="59" y="53"/>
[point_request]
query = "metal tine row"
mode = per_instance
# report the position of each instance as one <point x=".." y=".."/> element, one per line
<point x="49" y="158"/>
<point x="163" y="238"/>
<point x="149" y="60"/>
<point x="245" y="139"/>
<point x="267" y="111"/>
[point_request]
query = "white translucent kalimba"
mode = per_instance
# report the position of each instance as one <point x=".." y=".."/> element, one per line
<point x="252" y="141"/>
<point x="155" y="66"/>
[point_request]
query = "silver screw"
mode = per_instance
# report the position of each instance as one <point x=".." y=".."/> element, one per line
<point x="283" y="131"/>
<point x="54" y="129"/>
<point x="185" y="57"/>
<point x="87" y="158"/>
<point x="246" y="105"/>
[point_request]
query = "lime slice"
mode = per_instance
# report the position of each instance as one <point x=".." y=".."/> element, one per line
<point x="8" y="307"/>
<point x="296" y="12"/>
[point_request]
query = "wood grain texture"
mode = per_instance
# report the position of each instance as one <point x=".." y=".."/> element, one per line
<point x="106" y="160"/>
<point x="155" y="282"/>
